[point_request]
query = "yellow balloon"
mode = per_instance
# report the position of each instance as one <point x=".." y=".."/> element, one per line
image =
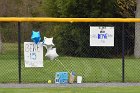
<point x="49" y="81"/>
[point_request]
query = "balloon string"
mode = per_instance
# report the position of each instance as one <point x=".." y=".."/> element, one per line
<point x="62" y="64"/>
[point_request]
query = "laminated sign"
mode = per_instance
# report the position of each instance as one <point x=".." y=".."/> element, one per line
<point x="33" y="54"/>
<point x="101" y="36"/>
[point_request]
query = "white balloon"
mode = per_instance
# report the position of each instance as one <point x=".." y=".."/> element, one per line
<point x="48" y="41"/>
<point x="51" y="53"/>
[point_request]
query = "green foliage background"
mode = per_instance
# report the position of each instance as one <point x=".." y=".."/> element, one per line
<point x="73" y="38"/>
<point x="70" y="38"/>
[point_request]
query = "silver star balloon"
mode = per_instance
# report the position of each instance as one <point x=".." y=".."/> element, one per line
<point x="51" y="53"/>
<point x="48" y="42"/>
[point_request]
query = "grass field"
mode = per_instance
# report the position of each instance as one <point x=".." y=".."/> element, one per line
<point x="91" y="69"/>
<point x="73" y="90"/>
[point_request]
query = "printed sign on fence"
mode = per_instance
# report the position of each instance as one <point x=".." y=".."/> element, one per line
<point x="33" y="54"/>
<point x="101" y="36"/>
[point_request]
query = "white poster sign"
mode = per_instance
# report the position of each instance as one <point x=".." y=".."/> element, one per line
<point x="33" y="54"/>
<point x="101" y="36"/>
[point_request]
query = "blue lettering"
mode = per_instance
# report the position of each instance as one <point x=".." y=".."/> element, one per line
<point x="102" y="36"/>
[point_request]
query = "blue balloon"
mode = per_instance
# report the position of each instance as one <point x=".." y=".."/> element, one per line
<point x="36" y="36"/>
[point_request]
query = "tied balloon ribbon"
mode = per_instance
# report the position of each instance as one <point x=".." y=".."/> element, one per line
<point x="63" y="65"/>
<point x="51" y="52"/>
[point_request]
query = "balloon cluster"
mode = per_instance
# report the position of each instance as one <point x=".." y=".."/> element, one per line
<point x="47" y="43"/>
<point x="51" y="52"/>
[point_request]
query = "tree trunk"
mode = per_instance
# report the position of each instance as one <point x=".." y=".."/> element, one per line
<point x="0" y="43"/>
<point x="137" y="32"/>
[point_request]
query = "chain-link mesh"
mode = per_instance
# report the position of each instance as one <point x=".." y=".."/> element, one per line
<point x="8" y="53"/>
<point x="132" y="47"/>
<point x="94" y="64"/>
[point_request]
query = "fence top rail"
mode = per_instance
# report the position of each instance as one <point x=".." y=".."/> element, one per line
<point x="71" y="20"/>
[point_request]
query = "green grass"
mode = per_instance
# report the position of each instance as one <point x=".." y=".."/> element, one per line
<point x="91" y="69"/>
<point x="73" y="90"/>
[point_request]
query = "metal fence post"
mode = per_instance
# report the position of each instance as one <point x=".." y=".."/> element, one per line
<point x="19" y="53"/>
<point x="123" y="59"/>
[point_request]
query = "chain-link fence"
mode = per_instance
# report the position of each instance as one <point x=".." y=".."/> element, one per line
<point x="72" y="42"/>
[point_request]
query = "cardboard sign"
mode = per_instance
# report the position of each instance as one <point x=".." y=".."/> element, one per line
<point x="101" y="36"/>
<point x="33" y="54"/>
